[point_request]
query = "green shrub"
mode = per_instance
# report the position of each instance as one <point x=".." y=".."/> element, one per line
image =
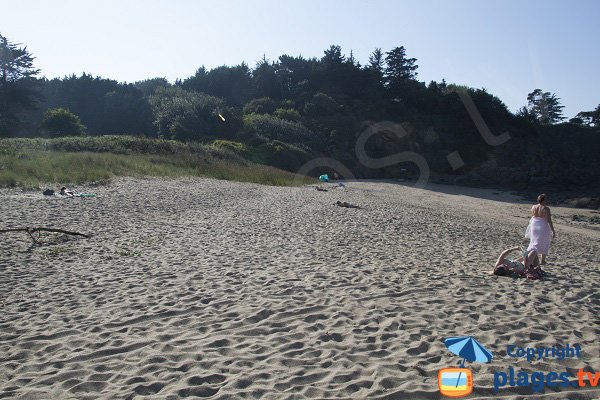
<point x="62" y="122"/>
<point x="235" y="147"/>
<point x="287" y="114"/>
<point x="321" y="104"/>
<point x="276" y="128"/>
<point x="187" y="116"/>
<point x="279" y="154"/>
<point x="264" y="105"/>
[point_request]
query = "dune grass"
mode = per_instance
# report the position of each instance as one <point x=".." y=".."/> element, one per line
<point x="31" y="164"/>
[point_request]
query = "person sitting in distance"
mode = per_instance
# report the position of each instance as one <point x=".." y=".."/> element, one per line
<point x="345" y="204"/>
<point x="65" y="192"/>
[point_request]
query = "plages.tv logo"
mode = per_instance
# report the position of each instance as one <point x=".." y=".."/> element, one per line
<point x="458" y="382"/>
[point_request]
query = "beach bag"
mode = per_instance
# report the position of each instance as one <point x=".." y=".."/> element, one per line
<point x="48" y="192"/>
<point x="534" y="273"/>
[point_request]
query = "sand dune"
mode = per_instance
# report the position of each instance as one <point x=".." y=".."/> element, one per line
<point x="216" y="289"/>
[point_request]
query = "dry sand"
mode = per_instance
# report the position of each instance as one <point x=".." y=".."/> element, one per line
<point x="206" y="288"/>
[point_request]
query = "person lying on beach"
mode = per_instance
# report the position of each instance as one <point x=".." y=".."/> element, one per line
<point x="518" y="266"/>
<point x="320" y="189"/>
<point x="65" y="192"/>
<point x="345" y="204"/>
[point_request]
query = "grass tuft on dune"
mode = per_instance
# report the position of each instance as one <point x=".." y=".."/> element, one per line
<point x="30" y="163"/>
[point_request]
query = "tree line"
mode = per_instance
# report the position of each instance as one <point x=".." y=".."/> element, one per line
<point x="295" y="106"/>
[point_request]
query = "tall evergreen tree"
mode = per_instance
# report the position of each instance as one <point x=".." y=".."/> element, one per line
<point x="234" y="84"/>
<point x="296" y="69"/>
<point x="376" y="60"/>
<point x="198" y="82"/>
<point x="351" y="60"/>
<point x="399" y="67"/>
<point x="18" y="86"/>
<point x="333" y="56"/>
<point x="337" y="74"/>
<point x="265" y="80"/>
<point x="545" y="107"/>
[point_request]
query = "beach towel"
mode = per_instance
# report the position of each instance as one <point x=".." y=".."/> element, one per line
<point x="539" y="234"/>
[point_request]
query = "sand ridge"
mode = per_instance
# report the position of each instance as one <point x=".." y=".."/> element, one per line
<point x="205" y="288"/>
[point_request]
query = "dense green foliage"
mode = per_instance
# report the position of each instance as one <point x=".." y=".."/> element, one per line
<point x="184" y="115"/>
<point x="294" y="109"/>
<point x="589" y="118"/>
<point x="62" y="122"/>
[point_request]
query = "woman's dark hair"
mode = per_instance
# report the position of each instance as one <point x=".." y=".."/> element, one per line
<point x="501" y="270"/>
<point x="541" y="198"/>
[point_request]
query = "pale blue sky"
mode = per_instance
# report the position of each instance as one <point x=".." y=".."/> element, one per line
<point x="509" y="47"/>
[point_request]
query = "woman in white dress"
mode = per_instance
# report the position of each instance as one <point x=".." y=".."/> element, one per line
<point x="540" y="230"/>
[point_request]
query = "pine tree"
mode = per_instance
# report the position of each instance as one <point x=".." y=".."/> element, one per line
<point x="376" y="60"/>
<point x="18" y="91"/>
<point x="399" y="68"/>
<point x="545" y="107"/>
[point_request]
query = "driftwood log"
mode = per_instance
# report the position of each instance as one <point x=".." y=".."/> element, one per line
<point x="38" y="230"/>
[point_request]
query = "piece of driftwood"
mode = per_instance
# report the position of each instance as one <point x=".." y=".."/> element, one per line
<point x="32" y="231"/>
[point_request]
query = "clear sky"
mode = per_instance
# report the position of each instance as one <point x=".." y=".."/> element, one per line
<point x="510" y="47"/>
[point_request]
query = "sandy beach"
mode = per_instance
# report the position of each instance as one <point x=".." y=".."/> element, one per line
<point x="215" y="289"/>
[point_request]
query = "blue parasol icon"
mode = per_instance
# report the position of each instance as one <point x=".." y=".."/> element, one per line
<point x="469" y="349"/>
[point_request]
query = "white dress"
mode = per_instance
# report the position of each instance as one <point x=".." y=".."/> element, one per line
<point x="539" y="234"/>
